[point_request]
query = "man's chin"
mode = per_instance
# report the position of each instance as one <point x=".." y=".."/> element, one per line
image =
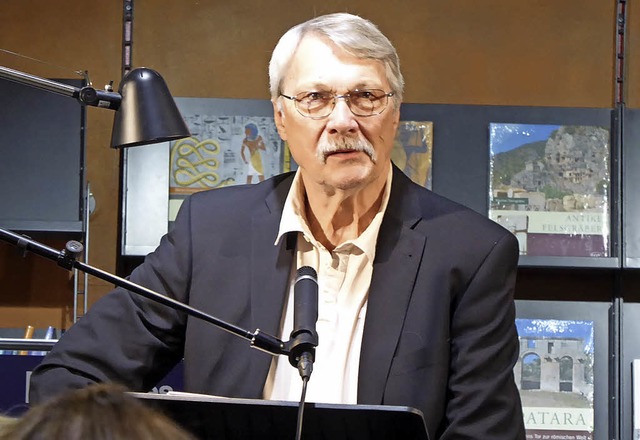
<point x="350" y="179"/>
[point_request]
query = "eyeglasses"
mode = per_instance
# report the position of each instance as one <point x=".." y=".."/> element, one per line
<point x="318" y="105"/>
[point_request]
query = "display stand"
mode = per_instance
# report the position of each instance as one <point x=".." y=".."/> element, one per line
<point x="210" y="417"/>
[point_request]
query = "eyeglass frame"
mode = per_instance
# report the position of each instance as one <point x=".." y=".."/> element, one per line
<point x="344" y="96"/>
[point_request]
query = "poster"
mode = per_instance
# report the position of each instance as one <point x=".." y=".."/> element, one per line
<point x="223" y="150"/>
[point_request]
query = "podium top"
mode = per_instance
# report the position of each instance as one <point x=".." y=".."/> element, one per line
<point x="221" y="418"/>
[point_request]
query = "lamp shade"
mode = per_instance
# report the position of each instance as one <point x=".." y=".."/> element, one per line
<point x="147" y="113"/>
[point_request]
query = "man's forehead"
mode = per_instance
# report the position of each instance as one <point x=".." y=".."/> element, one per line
<point x="317" y="58"/>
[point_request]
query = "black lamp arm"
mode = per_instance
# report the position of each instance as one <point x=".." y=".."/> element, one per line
<point x="86" y="95"/>
<point x="67" y="259"/>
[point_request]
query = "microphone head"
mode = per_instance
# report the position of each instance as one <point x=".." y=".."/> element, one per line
<point x="304" y="337"/>
<point x="306" y="272"/>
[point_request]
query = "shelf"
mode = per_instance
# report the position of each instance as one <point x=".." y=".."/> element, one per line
<point x="570" y="262"/>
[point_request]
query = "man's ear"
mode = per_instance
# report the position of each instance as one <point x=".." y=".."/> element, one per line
<point x="279" y="118"/>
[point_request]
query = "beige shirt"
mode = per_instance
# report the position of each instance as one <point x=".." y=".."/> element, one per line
<point x="344" y="276"/>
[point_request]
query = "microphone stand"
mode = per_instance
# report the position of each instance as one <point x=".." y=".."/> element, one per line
<point x="67" y="259"/>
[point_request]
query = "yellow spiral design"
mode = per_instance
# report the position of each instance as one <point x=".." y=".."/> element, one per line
<point x="192" y="164"/>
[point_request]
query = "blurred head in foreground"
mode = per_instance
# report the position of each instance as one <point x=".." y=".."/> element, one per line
<point x="98" y="412"/>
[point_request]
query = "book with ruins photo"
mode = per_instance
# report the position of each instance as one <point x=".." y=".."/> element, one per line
<point x="554" y="375"/>
<point x="550" y="186"/>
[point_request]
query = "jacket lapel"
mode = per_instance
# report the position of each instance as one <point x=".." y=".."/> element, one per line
<point x="398" y="254"/>
<point x="270" y="270"/>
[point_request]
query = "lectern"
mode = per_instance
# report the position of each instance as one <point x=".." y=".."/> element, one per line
<point x="210" y="417"/>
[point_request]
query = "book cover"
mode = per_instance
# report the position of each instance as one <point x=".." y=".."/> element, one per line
<point x="412" y="150"/>
<point x="550" y="187"/>
<point x="554" y="374"/>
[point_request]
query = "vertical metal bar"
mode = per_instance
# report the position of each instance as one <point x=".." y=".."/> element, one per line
<point x="75" y="295"/>
<point x="127" y="36"/>
<point x="127" y="63"/>
<point x="615" y="330"/>
<point x="617" y="409"/>
<point x="87" y="213"/>
<point x="621" y="26"/>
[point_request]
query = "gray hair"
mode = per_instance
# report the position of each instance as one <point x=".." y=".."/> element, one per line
<point x="355" y="35"/>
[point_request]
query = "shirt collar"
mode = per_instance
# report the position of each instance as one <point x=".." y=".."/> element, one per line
<point x="293" y="216"/>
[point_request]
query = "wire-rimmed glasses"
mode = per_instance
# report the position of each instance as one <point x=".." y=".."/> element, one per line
<point x="320" y="104"/>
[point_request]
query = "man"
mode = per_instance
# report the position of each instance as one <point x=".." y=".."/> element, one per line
<point x="416" y="305"/>
<point x="253" y="143"/>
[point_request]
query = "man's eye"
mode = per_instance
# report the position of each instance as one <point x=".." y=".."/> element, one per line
<point x="316" y="96"/>
<point x="364" y="94"/>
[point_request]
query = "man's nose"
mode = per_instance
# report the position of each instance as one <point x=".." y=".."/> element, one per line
<point x="341" y="119"/>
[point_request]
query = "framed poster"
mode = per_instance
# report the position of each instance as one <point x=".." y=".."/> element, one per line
<point x="158" y="177"/>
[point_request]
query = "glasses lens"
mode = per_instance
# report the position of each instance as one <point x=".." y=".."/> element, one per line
<point x="367" y="102"/>
<point x="314" y="104"/>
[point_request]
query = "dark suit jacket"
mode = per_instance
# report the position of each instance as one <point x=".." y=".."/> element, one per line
<point x="439" y="333"/>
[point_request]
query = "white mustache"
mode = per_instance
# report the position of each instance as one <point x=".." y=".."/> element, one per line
<point x="328" y="146"/>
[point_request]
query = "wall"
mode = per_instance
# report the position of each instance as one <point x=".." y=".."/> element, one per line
<point x="540" y="52"/>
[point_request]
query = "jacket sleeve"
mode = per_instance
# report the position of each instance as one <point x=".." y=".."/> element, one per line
<point x="125" y="337"/>
<point x="483" y="401"/>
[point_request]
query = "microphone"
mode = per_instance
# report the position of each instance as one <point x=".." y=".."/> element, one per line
<point x="304" y="338"/>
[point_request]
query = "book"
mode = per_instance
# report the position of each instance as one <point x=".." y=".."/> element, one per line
<point x="412" y="150"/>
<point x="554" y="375"/>
<point x="549" y="185"/>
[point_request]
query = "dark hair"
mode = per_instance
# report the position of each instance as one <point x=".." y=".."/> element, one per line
<point x="253" y="128"/>
<point x="98" y="412"/>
